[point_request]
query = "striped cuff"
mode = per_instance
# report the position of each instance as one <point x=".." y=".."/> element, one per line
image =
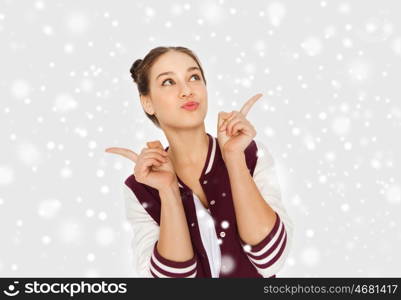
<point x="268" y="251"/>
<point x="161" y="267"/>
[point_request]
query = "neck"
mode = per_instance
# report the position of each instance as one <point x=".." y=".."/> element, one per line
<point x="187" y="147"/>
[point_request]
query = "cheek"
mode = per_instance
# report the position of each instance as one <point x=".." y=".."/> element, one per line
<point x="202" y="92"/>
<point x="167" y="106"/>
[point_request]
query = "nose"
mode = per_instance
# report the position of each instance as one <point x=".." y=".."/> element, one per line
<point x="185" y="91"/>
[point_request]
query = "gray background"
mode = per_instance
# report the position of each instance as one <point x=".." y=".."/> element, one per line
<point x="330" y="114"/>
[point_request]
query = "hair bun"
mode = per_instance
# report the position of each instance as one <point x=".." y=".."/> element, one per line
<point x="134" y="67"/>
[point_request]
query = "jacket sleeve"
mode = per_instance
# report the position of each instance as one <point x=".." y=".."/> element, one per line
<point x="269" y="255"/>
<point x="147" y="260"/>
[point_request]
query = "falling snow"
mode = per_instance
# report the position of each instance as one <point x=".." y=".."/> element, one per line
<point x="49" y="209"/>
<point x="330" y="115"/>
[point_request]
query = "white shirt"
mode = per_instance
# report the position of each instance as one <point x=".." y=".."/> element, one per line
<point x="209" y="236"/>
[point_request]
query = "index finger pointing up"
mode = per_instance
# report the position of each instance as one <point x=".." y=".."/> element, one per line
<point x="131" y="155"/>
<point x="248" y="104"/>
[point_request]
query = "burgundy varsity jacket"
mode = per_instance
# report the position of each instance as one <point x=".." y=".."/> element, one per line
<point x="264" y="259"/>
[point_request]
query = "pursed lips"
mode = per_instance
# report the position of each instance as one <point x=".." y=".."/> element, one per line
<point x="190" y="103"/>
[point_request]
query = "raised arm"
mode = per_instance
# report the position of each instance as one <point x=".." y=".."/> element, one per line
<point x="263" y="224"/>
<point x="165" y="250"/>
<point x="265" y="227"/>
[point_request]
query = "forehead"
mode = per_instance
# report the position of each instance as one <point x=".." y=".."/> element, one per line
<point x="172" y="61"/>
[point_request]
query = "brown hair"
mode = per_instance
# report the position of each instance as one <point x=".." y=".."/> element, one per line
<point x="140" y="70"/>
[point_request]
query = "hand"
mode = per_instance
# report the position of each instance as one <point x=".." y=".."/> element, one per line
<point x="153" y="167"/>
<point x="234" y="131"/>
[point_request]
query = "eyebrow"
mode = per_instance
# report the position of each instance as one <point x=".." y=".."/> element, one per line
<point x="170" y="72"/>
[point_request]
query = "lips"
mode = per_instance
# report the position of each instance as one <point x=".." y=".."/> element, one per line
<point x="191" y="105"/>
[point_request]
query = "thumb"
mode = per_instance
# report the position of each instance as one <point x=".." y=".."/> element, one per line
<point x="155" y="145"/>
<point x="222" y="117"/>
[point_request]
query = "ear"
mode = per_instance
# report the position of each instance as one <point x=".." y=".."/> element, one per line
<point x="147" y="104"/>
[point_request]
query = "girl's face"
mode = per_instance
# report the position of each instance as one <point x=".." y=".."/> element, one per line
<point x="168" y="92"/>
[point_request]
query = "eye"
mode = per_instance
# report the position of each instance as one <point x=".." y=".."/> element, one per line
<point x="197" y="76"/>
<point x="165" y="81"/>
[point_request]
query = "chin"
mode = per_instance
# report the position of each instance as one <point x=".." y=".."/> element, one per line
<point x="192" y="123"/>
